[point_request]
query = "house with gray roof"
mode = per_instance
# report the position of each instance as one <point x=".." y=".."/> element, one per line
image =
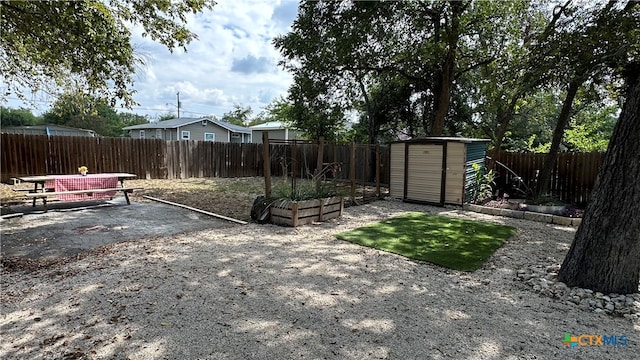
<point x="48" y="129"/>
<point x="202" y="129"/>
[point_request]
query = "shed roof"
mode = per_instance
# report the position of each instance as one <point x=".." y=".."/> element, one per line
<point x="271" y="125"/>
<point x="432" y="139"/>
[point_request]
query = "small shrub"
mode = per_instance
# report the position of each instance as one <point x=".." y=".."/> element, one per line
<point x="483" y="182"/>
<point x="314" y="187"/>
<point x="305" y="189"/>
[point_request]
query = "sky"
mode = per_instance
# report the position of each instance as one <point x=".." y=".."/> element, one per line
<point x="232" y="62"/>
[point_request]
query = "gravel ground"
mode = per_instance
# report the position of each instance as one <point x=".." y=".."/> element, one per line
<point x="268" y="292"/>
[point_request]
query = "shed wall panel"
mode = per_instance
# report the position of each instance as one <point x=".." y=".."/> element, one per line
<point x="455" y="173"/>
<point x="396" y="182"/>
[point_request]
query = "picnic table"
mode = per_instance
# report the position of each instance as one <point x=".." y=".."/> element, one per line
<point x="78" y="187"/>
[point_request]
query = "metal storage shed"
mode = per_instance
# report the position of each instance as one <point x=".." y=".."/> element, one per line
<point x="435" y="170"/>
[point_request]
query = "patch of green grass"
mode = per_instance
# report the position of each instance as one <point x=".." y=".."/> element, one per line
<point x="453" y="243"/>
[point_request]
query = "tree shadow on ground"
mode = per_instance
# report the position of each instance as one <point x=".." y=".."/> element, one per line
<point x="265" y="292"/>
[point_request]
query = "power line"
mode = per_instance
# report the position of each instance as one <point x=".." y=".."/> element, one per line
<point x="115" y="107"/>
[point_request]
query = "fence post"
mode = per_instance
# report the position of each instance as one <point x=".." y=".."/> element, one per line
<point x="294" y="168"/>
<point x="352" y="171"/>
<point x="266" y="164"/>
<point x="319" y="167"/>
<point x="378" y="170"/>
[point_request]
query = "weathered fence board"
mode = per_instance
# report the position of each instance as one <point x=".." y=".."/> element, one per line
<point x="572" y="178"/>
<point x="158" y="159"/>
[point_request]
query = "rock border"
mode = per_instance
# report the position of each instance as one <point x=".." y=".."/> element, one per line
<point x="544" y="281"/>
<point x="527" y="215"/>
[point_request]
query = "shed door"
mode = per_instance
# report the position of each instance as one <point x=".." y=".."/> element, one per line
<point x="424" y="172"/>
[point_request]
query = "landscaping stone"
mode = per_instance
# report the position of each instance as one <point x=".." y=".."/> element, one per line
<point x="491" y="211"/>
<point x="561" y="220"/>
<point x="476" y="208"/>
<point x="512" y="213"/>
<point x="528" y="215"/>
<point x="543" y="280"/>
<point x="545" y="218"/>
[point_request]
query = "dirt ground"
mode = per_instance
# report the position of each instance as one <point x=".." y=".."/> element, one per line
<point x="268" y="292"/>
<point x="232" y="197"/>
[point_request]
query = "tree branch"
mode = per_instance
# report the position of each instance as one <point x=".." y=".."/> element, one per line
<point x="473" y="67"/>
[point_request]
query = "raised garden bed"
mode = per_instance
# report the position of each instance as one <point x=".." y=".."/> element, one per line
<point x="295" y="213"/>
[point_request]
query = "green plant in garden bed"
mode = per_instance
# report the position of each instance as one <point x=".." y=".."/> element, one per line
<point x="306" y="190"/>
<point x="453" y="243"/>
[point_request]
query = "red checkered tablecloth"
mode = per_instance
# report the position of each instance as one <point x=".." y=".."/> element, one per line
<point x="79" y="182"/>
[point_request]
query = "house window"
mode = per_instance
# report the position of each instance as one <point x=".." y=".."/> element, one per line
<point x="158" y="134"/>
<point x="186" y="135"/>
<point x="141" y="134"/>
<point x="209" y="137"/>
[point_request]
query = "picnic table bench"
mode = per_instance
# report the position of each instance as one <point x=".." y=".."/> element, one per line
<point x="78" y="187"/>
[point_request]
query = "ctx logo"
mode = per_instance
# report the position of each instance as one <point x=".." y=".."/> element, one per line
<point x="593" y="340"/>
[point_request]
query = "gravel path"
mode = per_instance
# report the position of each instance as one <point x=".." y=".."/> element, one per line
<point x="268" y="292"/>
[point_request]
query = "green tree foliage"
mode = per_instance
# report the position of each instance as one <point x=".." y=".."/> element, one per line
<point x="339" y="52"/>
<point x="280" y="109"/>
<point x="584" y="51"/>
<point x="238" y="116"/>
<point x="512" y="66"/>
<point x="388" y="111"/>
<point x="87" y="112"/>
<point x="86" y="44"/>
<point x="18" y="117"/>
<point x="167" y="116"/>
<point x="591" y="129"/>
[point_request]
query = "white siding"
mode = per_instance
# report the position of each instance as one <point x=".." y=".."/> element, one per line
<point x="278" y="134"/>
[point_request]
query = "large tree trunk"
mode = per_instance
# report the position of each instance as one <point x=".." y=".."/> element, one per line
<point x="443" y="96"/>
<point x="504" y="119"/>
<point x="605" y="254"/>
<point x="563" y="119"/>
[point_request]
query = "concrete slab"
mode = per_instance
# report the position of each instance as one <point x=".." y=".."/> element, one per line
<point x="73" y="227"/>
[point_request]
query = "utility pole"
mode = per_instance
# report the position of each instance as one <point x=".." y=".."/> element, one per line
<point x="178" y="94"/>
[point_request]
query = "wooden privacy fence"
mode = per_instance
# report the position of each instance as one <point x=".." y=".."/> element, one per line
<point x="147" y="158"/>
<point x="361" y="164"/>
<point x="23" y="155"/>
<point x="572" y="178"/>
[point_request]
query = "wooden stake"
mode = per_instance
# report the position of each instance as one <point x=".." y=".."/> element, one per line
<point x="294" y="167"/>
<point x="319" y="163"/>
<point x="196" y="210"/>
<point x="266" y="163"/>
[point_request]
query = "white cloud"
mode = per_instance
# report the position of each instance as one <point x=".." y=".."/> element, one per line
<point x="232" y="62"/>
